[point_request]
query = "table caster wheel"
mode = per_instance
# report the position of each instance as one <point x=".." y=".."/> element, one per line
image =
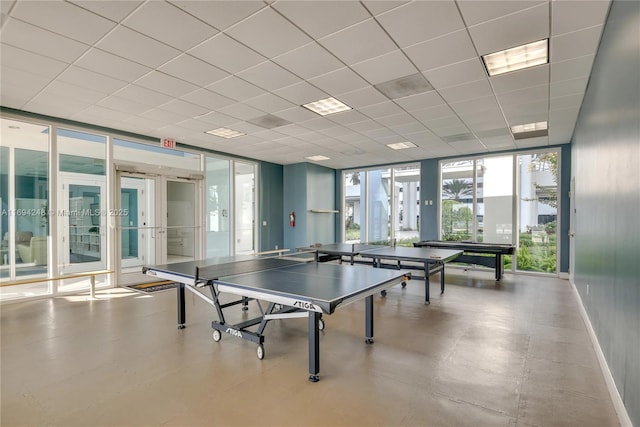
<point x="321" y="325"/>
<point x="260" y="351"/>
<point x="314" y="378"/>
<point x="383" y="293"/>
<point x="404" y="284"/>
<point x="217" y="336"/>
<point x="181" y="326"/>
<point x="368" y="340"/>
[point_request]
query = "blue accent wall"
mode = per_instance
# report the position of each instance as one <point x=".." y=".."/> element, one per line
<point x="306" y="187"/>
<point x="429" y="188"/>
<point x="606" y="165"/>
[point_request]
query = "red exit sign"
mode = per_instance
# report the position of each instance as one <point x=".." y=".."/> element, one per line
<point x="168" y="143"/>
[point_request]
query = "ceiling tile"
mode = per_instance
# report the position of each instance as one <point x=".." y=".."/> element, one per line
<point x="64" y="19"/>
<point x="524" y="95"/>
<point x="269" y="103"/>
<point x="518" y="28"/>
<point x="44" y="102"/>
<point x="565" y="102"/>
<point x="167" y="117"/>
<point x="235" y="88"/>
<point x="421" y="20"/>
<point x="24" y="86"/>
<point x="268" y="33"/>
<point x="340" y="81"/>
<point x="33" y="39"/>
<point x="472" y="90"/>
<point x="515" y="80"/>
<point x="136" y="47"/>
<point x="477" y="11"/>
<point x="37" y="64"/>
<point x="143" y="95"/>
<point x="567" y="20"/>
<point x="240" y="111"/>
<point x="383" y="109"/>
<point x="185" y="108"/>
<point x="362" y="97"/>
<point x="269" y="76"/>
<point x="114" y="10"/>
<point x="571" y="69"/>
<point x="158" y="20"/>
<point x="301" y="93"/>
<point x="193" y="70"/>
<point x="166" y="84"/>
<point x="227" y="54"/>
<point x="221" y="14"/>
<point x="359" y="42"/>
<point x="456" y="74"/>
<point x="576" y="44"/>
<point x="432" y="113"/>
<point x="437" y="53"/>
<point x="309" y="61"/>
<point x="420" y="101"/>
<point x="386" y="67"/>
<point x="123" y="104"/>
<point x="111" y="65"/>
<point x="568" y="87"/>
<point x="88" y="79"/>
<point x="320" y="18"/>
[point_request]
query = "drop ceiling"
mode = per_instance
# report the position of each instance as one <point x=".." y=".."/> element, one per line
<point x="176" y="69"/>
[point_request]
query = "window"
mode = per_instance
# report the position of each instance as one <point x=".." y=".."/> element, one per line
<point x="382" y="205"/>
<point x="504" y="199"/>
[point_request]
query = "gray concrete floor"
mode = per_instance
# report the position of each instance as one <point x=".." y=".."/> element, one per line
<point x="516" y="353"/>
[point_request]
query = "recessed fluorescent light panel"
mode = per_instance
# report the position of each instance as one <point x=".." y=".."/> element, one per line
<point x="225" y="133"/>
<point x="530" y="130"/>
<point x="517" y="58"/>
<point x="324" y="107"/>
<point x="401" y="145"/>
<point x="317" y="158"/>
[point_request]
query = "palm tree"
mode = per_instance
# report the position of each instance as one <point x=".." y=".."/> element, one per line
<point x="457" y="189"/>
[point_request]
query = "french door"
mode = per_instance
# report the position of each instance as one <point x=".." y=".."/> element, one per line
<point x="83" y="222"/>
<point x="159" y="222"/>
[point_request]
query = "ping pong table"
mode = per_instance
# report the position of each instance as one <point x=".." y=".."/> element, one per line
<point x="430" y="260"/>
<point x="291" y="287"/>
<point x="470" y="251"/>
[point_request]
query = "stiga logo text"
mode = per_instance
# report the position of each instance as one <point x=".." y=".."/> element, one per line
<point x="305" y="305"/>
<point x="234" y="332"/>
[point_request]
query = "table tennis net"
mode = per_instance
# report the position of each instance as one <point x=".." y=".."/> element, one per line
<point x="216" y="271"/>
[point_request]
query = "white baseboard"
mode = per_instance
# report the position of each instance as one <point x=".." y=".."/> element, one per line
<point x="618" y="404"/>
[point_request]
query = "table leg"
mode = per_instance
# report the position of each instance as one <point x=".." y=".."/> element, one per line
<point x="499" y="266"/>
<point x="314" y="346"/>
<point x="426" y="283"/>
<point x="181" y="306"/>
<point x="442" y="280"/>
<point x="369" y="319"/>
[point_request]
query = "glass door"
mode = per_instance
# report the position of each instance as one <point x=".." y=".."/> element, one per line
<point x="83" y="223"/>
<point x="134" y="215"/>
<point x="178" y="238"/>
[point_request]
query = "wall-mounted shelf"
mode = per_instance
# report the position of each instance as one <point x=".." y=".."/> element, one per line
<point x="323" y="211"/>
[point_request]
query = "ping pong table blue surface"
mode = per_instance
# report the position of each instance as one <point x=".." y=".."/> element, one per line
<point x="326" y="285"/>
<point x="293" y="288"/>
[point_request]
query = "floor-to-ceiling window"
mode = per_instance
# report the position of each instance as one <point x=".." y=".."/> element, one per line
<point x="244" y="213"/>
<point x="538" y="211"/>
<point x="504" y="199"/>
<point x="406" y="202"/>
<point x="60" y="215"/>
<point x="382" y="205"/>
<point x="25" y="208"/>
